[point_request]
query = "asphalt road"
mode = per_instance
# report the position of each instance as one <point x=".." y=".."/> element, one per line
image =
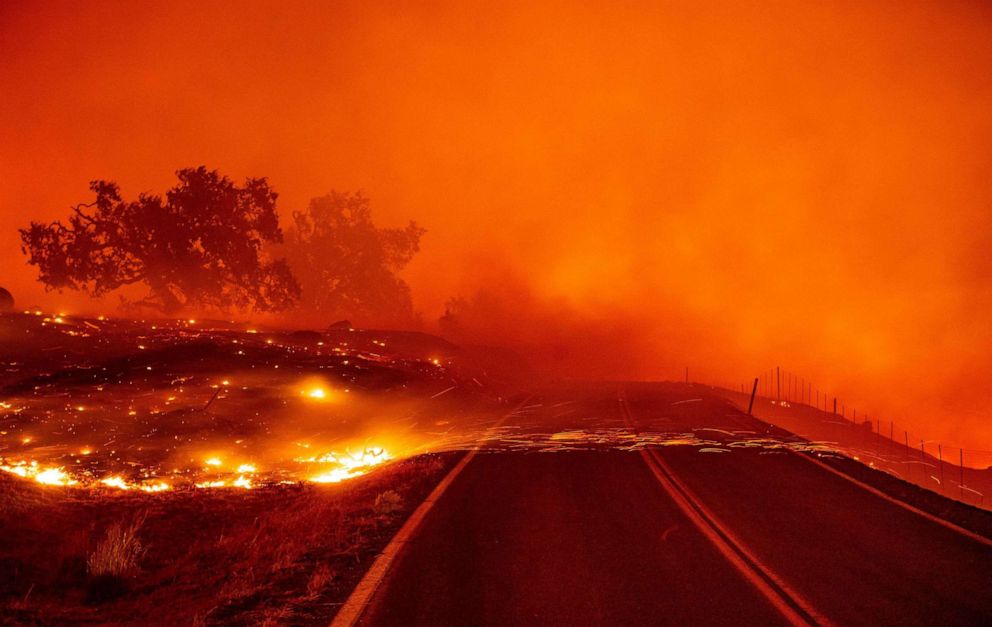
<point x="671" y="534"/>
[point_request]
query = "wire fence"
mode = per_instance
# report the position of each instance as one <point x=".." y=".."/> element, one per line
<point x="793" y="403"/>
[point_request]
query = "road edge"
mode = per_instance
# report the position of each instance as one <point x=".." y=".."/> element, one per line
<point x="895" y="501"/>
<point x="359" y="599"/>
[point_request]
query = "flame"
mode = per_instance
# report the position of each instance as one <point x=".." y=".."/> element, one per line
<point x="336" y="475"/>
<point x="53" y="475"/>
<point x="116" y="482"/>
<point x="349" y="465"/>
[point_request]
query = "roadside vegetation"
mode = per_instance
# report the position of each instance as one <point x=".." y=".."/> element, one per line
<point x="279" y="555"/>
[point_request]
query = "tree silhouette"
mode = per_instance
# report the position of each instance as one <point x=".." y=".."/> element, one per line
<point x="347" y="266"/>
<point x="201" y="245"/>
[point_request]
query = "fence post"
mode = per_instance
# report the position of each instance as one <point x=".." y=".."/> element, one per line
<point x="961" y="466"/>
<point x="940" y="459"/>
<point x="908" y="450"/>
<point x="754" y="389"/>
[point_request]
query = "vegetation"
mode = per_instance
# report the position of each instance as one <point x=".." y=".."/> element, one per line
<point x="118" y="553"/>
<point x="388" y="502"/>
<point x="205" y="245"/>
<point x="274" y="555"/>
<point x="347" y="266"/>
<point x="199" y="245"/>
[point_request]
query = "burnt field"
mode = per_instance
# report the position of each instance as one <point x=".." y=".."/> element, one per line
<point x="201" y="471"/>
<point x="174" y="404"/>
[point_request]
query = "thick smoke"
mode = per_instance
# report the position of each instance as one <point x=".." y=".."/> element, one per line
<point x="623" y="192"/>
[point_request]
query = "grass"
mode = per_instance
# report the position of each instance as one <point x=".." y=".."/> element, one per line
<point x="118" y="553"/>
<point x="279" y="555"/>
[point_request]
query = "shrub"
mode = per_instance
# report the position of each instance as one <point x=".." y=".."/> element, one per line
<point x="388" y="502"/>
<point x="118" y="553"/>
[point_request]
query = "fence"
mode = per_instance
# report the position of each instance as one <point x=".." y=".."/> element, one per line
<point x="793" y="403"/>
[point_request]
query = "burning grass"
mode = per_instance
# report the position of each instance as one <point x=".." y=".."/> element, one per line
<point x="177" y="472"/>
<point x="278" y="554"/>
<point x="163" y="405"/>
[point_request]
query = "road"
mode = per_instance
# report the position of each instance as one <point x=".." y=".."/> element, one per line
<point x="587" y="527"/>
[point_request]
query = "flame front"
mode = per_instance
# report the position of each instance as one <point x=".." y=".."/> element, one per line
<point x="53" y="475"/>
<point x="349" y="465"/>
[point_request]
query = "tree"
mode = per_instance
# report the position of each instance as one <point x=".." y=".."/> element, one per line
<point x="200" y="246"/>
<point x="347" y="266"/>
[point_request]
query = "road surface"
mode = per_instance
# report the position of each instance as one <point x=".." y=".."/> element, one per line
<point x="567" y="520"/>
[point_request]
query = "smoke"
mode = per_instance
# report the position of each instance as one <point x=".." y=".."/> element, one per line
<point x="621" y="191"/>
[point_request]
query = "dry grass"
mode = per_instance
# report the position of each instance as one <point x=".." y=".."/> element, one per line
<point x="284" y="554"/>
<point x="119" y="552"/>
<point x="322" y="575"/>
<point x="388" y="502"/>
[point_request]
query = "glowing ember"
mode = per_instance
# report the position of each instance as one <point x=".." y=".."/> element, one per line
<point x="158" y="428"/>
<point x="115" y="482"/>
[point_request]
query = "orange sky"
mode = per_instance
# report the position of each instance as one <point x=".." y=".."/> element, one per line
<point x="725" y="186"/>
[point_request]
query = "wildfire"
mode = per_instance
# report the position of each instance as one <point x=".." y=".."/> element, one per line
<point x="337" y="475"/>
<point x="317" y="393"/>
<point x="349" y="465"/>
<point x="54" y="475"/>
<point x="116" y="482"/>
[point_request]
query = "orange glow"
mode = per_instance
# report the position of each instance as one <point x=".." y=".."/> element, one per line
<point x="347" y="465"/>
<point x="52" y="475"/>
<point x="619" y="190"/>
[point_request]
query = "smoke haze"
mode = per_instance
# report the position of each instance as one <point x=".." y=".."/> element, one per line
<point x="623" y="190"/>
